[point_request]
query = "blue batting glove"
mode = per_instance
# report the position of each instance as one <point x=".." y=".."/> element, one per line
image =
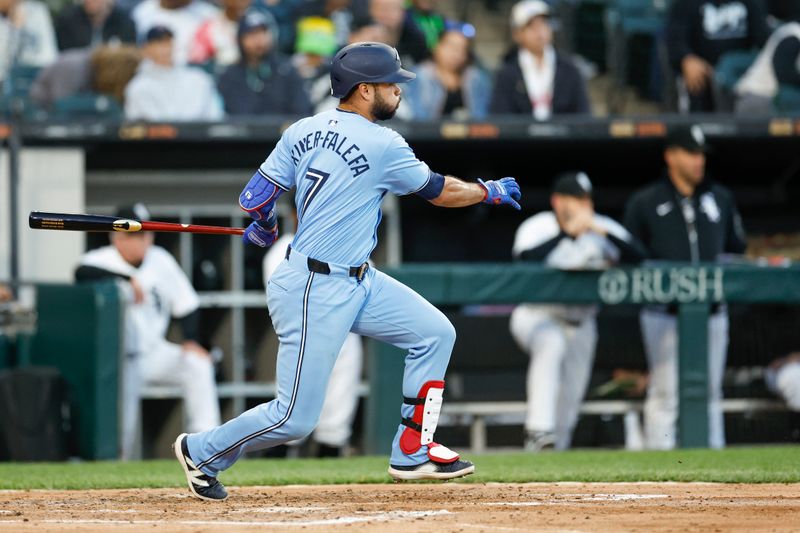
<point x="259" y="235"/>
<point x="502" y="191"/>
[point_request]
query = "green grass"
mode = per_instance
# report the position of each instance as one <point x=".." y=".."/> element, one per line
<point x="734" y="465"/>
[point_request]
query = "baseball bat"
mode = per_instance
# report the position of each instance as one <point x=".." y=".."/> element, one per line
<point x="73" y="222"/>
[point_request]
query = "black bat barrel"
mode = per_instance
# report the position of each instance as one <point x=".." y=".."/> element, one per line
<point x="69" y="222"/>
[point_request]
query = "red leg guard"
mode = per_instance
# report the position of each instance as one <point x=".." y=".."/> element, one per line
<point x="422" y="425"/>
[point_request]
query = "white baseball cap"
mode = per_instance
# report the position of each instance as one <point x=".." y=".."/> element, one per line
<point x="524" y="11"/>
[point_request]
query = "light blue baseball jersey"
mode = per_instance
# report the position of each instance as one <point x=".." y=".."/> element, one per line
<point x="342" y="165"/>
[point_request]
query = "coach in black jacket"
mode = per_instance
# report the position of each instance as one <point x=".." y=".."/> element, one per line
<point x="535" y="79"/>
<point x="93" y="22"/>
<point x="683" y="217"/>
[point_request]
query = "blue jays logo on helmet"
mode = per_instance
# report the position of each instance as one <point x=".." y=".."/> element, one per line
<point x="366" y="62"/>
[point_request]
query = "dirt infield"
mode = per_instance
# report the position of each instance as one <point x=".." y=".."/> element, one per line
<point x="410" y="508"/>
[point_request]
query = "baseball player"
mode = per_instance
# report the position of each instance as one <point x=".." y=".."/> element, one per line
<point x="561" y="339"/>
<point x="335" y="426"/>
<point x="342" y="164"/>
<point x="783" y="378"/>
<point x="159" y="291"/>
<point x="683" y="217"/>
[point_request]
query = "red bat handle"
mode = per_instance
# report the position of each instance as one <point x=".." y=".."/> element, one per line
<point x="190" y="228"/>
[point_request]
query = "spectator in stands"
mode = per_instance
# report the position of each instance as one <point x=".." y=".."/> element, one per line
<point x="370" y="32"/>
<point x="215" y="40"/>
<point x="164" y="91"/>
<point x="113" y="68"/>
<point x="286" y="13"/>
<point x="535" y="79"/>
<point x="404" y="34"/>
<point x="783" y="378"/>
<point x="158" y="291"/>
<point x="777" y="66"/>
<point x="339" y="12"/>
<point x="91" y="23"/>
<point x="27" y="37"/>
<point x="561" y="339"/>
<point x="784" y="10"/>
<point x="104" y="70"/>
<point x="699" y="33"/>
<point x="182" y="17"/>
<point x="431" y="22"/>
<point x="5" y="293"/>
<point x="263" y="81"/>
<point x="451" y="84"/>
<point x="316" y="43"/>
<point x="689" y="218"/>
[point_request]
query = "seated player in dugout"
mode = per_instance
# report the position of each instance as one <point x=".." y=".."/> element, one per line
<point x="561" y="339"/>
<point x="342" y="164"/>
<point x="157" y="291"/>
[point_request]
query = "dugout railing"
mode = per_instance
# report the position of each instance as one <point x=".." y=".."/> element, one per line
<point x="692" y="288"/>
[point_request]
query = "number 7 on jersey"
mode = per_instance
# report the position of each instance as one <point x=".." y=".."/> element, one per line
<point x="319" y="178"/>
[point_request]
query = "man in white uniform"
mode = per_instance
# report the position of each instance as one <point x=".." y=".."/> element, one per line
<point x="560" y="339"/>
<point x="783" y="378"/>
<point x="158" y="292"/>
<point x="335" y="426"/>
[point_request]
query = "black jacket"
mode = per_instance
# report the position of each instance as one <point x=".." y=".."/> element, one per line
<point x="274" y="87"/>
<point x="658" y="218"/>
<point x="510" y="96"/>
<point x="709" y="28"/>
<point x="73" y="29"/>
<point x="785" y="61"/>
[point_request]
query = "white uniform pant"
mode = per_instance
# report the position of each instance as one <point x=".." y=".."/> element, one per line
<point x="341" y="400"/>
<point x="660" y="335"/>
<point x="785" y="382"/>
<point x="561" y="365"/>
<point x="167" y="364"/>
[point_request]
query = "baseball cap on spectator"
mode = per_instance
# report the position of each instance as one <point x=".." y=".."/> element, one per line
<point x="690" y="138"/>
<point x="573" y="184"/>
<point x="523" y="12"/>
<point x="316" y="35"/>
<point x="464" y="28"/>
<point x="158" y="33"/>
<point x="137" y="211"/>
<point x="257" y="20"/>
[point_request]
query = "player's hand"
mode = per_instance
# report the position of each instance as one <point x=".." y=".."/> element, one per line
<point x="696" y="73"/>
<point x="502" y="191"/>
<point x="259" y="235"/>
<point x="194" y="348"/>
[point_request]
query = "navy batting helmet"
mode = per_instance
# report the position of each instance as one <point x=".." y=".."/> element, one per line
<point x="366" y="63"/>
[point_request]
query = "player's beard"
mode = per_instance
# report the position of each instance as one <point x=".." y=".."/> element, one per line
<point x="381" y="109"/>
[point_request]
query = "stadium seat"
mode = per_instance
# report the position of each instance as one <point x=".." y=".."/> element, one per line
<point x="14" y="100"/>
<point x="21" y="77"/>
<point x="787" y="99"/>
<point x="624" y="20"/>
<point x="87" y="105"/>
<point x="732" y="66"/>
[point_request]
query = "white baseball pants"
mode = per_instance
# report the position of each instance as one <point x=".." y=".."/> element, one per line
<point x="660" y="335"/>
<point x="558" y="374"/>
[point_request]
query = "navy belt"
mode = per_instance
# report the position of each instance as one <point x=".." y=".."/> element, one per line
<point x="321" y="267"/>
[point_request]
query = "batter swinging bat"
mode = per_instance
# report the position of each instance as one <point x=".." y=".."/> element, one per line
<point x="70" y="222"/>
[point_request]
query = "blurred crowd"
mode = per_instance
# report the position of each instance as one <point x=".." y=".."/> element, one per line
<point x="197" y="60"/>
